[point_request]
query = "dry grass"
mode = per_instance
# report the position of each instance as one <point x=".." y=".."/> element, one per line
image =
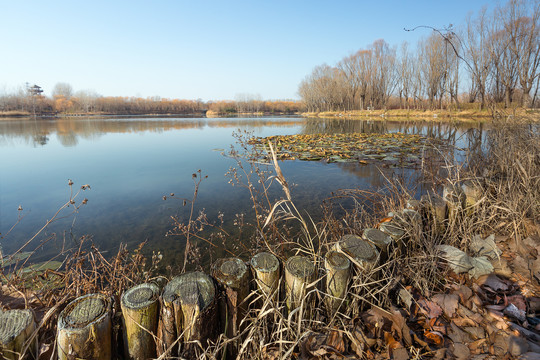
<point x="506" y="167"/>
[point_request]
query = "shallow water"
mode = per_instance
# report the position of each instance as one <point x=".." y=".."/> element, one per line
<point x="132" y="162"/>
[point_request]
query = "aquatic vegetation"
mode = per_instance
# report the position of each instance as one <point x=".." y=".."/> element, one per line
<point x="390" y="149"/>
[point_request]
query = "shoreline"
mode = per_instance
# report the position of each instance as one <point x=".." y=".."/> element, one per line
<point x="462" y="115"/>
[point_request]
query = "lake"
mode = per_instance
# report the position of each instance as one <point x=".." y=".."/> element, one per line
<point x="130" y="163"/>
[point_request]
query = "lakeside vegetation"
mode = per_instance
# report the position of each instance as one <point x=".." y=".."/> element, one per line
<point x="415" y="303"/>
<point x="459" y="276"/>
<point x="64" y="101"/>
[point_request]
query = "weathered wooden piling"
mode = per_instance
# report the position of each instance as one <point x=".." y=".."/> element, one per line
<point x="380" y="239"/>
<point x="435" y="208"/>
<point x="266" y="272"/>
<point x="454" y="197"/>
<point x="84" y="328"/>
<point x="16" y="327"/>
<point x="473" y="193"/>
<point x="363" y="253"/>
<point x="299" y="273"/>
<point x="393" y="229"/>
<point x="338" y="268"/>
<point x="413" y="204"/>
<point x="140" y="312"/>
<point x="188" y="309"/>
<point x="233" y="277"/>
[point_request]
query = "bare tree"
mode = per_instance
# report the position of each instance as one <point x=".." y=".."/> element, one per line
<point x="477" y="55"/>
<point x="62" y="89"/>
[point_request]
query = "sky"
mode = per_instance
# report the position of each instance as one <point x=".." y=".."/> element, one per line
<point x="209" y="50"/>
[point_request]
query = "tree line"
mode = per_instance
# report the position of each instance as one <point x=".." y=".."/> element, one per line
<point x="493" y="58"/>
<point x="30" y="100"/>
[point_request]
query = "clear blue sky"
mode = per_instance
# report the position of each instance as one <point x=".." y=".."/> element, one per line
<point x="199" y="49"/>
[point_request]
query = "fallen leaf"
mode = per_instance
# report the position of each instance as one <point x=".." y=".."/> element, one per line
<point x="480" y="266"/>
<point x="270" y="353"/>
<point x="434" y="337"/>
<point x="391" y="343"/>
<point x="518" y="301"/>
<point x="447" y="302"/>
<point x="335" y="340"/>
<point x="485" y="247"/>
<point x="458" y="260"/>
<point x="430" y="308"/>
<point x="494" y="283"/>
<point x="460" y="351"/>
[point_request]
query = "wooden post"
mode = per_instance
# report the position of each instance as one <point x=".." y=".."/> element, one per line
<point x="413" y="204"/>
<point x="473" y="193"/>
<point x="380" y="239"/>
<point x="191" y="297"/>
<point x="140" y="318"/>
<point x="454" y="197"/>
<point x="299" y="273"/>
<point x="393" y="229"/>
<point x="84" y="328"/>
<point x="337" y="279"/>
<point x="266" y="273"/>
<point x="16" y="327"/>
<point x="361" y="252"/>
<point x="232" y="276"/>
<point x="436" y="211"/>
<point x="410" y="221"/>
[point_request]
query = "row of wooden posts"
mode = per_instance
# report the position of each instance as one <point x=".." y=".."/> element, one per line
<point x="194" y="306"/>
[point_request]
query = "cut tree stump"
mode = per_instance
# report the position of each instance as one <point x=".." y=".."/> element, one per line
<point x="189" y="303"/>
<point x="380" y="239"/>
<point x="84" y="328"/>
<point x="454" y="197"/>
<point x="266" y="273"/>
<point x="232" y="276"/>
<point x="393" y="229"/>
<point x="435" y="208"/>
<point x="299" y="273"/>
<point x="16" y="327"/>
<point x="473" y="193"/>
<point x="361" y="252"/>
<point x="337" y="267"/>
<point x="140" y="310"/>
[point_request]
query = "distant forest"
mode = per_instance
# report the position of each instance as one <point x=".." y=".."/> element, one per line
<point x="493" y="58"/>
<point x="30" y="100"/>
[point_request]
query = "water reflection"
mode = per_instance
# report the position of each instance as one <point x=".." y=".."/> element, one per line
<point x="70" y="129"/>
<point x="132" y="162"/>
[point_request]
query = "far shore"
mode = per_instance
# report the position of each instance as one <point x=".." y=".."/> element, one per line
<point x="209" y="114"/>
<point x="395" y="114"/>
<point x="479" y="115"/>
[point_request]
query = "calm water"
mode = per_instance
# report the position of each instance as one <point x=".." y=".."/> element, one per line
<point x="130" y="163"/>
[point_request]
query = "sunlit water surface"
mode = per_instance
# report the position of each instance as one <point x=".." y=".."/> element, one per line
<point x="131" y="163"/>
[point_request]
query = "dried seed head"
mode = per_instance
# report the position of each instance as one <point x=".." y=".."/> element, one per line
<point x="70" y="182"/>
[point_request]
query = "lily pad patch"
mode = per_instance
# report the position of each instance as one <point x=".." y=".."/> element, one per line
<point x="390" y="149"/>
